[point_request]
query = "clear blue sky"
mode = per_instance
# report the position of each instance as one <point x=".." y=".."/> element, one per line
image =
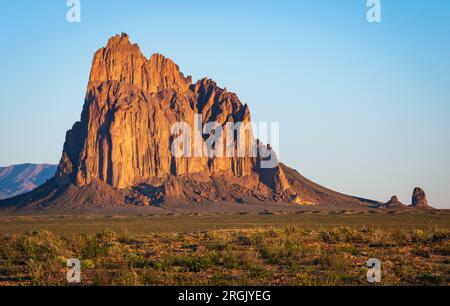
<point x="364" y="108"/>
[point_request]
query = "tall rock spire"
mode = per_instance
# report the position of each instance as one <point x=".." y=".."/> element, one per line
<point x="122" y="61"/>
<point x="124" y="135"/>
<point x="419" y="198"/>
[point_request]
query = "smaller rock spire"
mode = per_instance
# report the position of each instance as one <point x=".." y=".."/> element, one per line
<point x="394" y="202"/>
<point x="419" y="198"/>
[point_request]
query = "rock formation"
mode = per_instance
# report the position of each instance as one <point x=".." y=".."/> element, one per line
<point x="124" y="135"/>
<point x="120" y="152"/>
<point x="394" y="202"/>
<point x="419" y="198"/>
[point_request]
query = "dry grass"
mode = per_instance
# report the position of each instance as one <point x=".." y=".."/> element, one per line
<point x="289" y="255"/>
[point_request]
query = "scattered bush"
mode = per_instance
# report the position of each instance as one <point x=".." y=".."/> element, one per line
<point x="290" y="255"/>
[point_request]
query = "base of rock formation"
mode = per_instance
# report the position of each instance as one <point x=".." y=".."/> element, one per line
<point x="185" y="190"/>
<point x="193" y="193"/>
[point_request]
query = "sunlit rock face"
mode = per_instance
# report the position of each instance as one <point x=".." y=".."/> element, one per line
<point x="124" y="136"/>
<point x="419" y="198"/>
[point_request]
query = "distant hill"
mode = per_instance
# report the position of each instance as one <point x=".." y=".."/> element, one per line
<point x="19" y="179"/>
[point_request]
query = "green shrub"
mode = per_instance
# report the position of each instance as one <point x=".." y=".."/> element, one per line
<point x="440" y="236"/>
<point x="431" y="278"/>
<point x="87" y="264"/>
<point x="243" y="239"/>
<point x="197" y="263"/>
<point x="258" y="272"/>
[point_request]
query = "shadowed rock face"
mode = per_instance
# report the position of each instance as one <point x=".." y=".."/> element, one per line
<point x="124" y="136"/>
<point x="419" y="198"/>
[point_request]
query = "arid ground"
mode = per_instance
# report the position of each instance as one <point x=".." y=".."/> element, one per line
<point x="304" y="248"/>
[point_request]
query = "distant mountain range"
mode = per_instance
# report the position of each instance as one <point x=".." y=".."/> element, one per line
<point x="19" y="179"/>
